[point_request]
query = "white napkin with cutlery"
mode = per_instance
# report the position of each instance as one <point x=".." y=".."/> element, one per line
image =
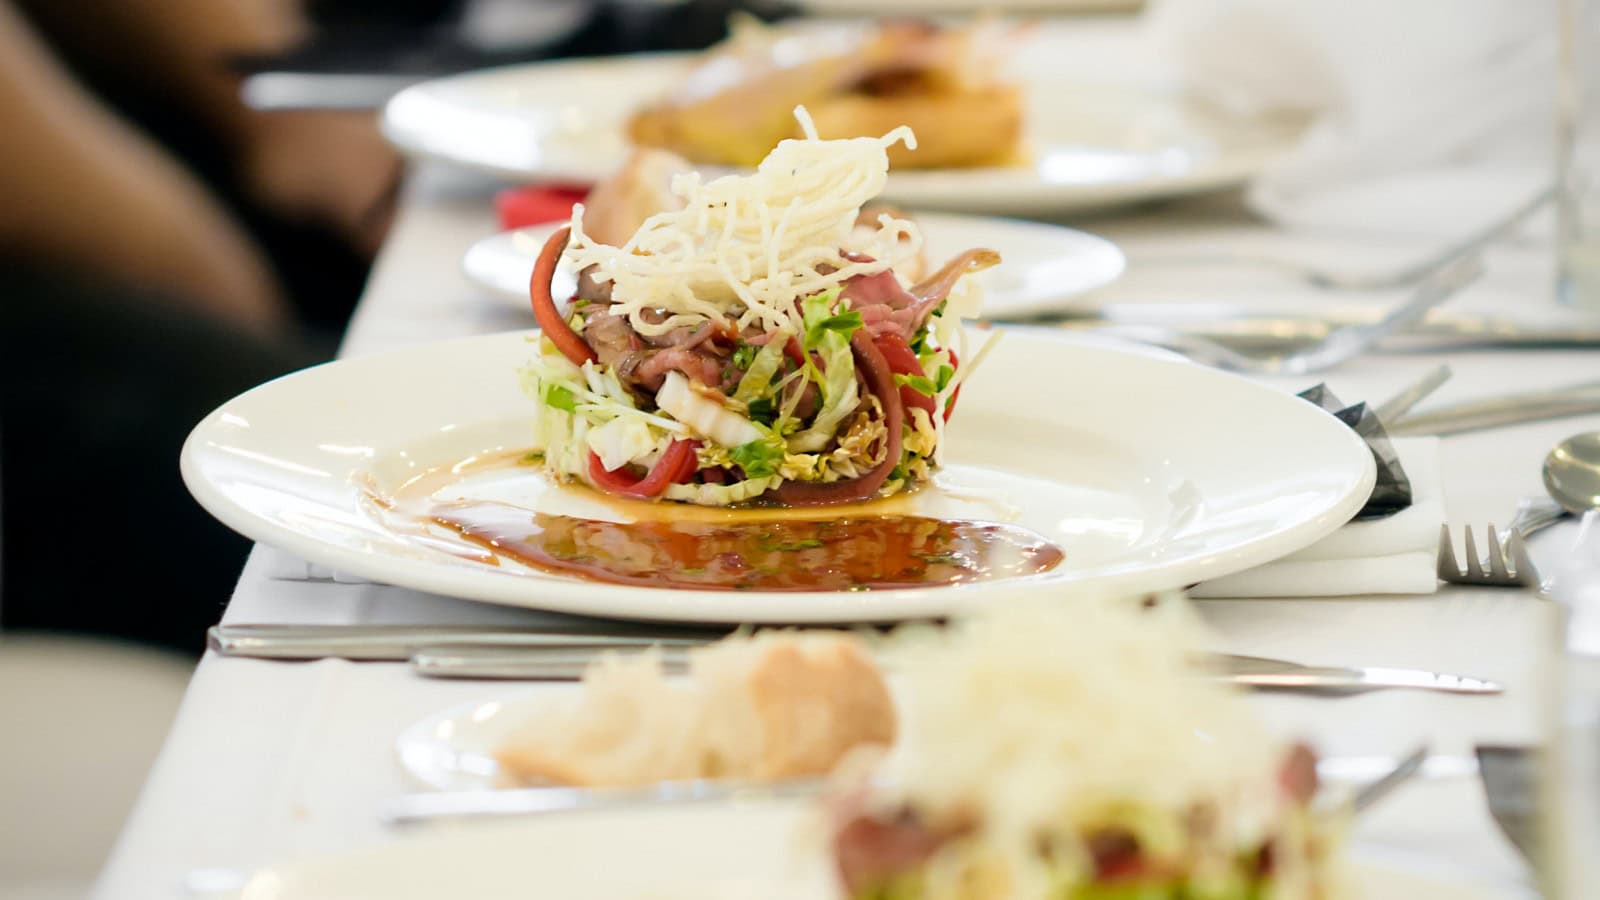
<point x="1463" y="89"/>
<point x="1394" y="555"/>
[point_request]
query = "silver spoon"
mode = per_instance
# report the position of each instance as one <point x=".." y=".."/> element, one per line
<point x="1572" y="473"/>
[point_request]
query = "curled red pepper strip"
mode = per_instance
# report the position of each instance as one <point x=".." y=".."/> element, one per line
<point x="902" y="361"/>
<point x="880" y="381"/>
<point x="950" y="405"/>
<point x="691" y="463"/>
<point x="569" y="342"/>
<point x="669" y="469"/>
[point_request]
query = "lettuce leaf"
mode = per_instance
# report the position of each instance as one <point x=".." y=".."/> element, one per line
<point x="757" y="379"/>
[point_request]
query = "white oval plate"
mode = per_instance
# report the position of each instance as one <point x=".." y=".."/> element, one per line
<point x="453" y="749"/>
<point x="1090" y="145"/>
<point x="1150" y="472"/>
<point x="1046" y="267"/>
<point x="725" y="851"/>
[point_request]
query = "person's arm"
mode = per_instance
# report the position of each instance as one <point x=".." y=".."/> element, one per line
<point x="329" y="167"/>
<point x="84" y="190"/>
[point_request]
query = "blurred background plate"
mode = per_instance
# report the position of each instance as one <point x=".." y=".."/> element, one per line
<point x="1091" y="143"/>
<point x="1046" y="268"/>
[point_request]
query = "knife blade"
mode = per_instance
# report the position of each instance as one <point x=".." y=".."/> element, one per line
<point x="1271" y="674"/>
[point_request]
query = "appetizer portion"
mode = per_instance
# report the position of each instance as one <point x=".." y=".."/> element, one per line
<point x="942" y="82"/>
<point x="753" y="339"/>
<point x="1067" y="751"/>
<point x="765" y="707"/>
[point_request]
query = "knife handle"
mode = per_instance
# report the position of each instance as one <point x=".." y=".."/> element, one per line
<point x="398" y="643"/>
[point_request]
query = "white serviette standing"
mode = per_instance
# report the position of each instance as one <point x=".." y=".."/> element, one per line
<point x="1393" y="555"/>
<point x="1462" y="91"/>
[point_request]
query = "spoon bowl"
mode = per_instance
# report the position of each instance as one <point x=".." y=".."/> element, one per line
<point x="1572" y="473"/>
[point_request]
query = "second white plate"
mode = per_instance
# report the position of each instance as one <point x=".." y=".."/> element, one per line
<point x="1047" y="268"/>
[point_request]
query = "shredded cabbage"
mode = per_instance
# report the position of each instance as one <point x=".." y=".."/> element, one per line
<point x="840" y="395"/>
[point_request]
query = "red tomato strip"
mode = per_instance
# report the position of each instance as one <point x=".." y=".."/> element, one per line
<point x="669" y="469"/>
<point x="902" y="361"/>
<point x="569" y="342"/>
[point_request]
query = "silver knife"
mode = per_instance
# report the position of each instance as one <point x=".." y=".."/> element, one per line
<point x="1260" y="673"/>
<point x="1505" y="409"/>
<point x="1265" y="330"/>
<point x="517" y="653"/>
<point x="397" y="643"/>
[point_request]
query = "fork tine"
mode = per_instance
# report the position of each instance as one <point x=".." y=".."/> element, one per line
<point x="1448" y="569"/>
<point x="1497" y="557"/>
<point x="1527" y="574"/>
<point x="1474" y="562"/>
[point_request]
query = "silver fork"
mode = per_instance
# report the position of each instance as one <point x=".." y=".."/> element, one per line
<point x="1340" y="345"/>
<point x="1507" y="564"/>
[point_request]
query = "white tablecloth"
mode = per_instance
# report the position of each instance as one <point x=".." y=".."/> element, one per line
<point x="275" y="760"/>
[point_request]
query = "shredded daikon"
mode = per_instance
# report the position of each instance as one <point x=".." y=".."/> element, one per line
<point x="748" y="248"/>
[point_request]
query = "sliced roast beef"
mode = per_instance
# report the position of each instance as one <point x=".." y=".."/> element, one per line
<point x="642" y="363"/>
<point x="887" y="307"/>
<point x="696" y="365"/>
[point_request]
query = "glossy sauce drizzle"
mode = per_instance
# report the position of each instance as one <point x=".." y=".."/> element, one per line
<point x="864" y="552"/>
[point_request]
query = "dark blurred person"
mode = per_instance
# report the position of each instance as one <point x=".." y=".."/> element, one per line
<point x="162" y="247"/>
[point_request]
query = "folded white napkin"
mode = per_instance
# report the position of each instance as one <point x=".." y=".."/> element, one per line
<point x="281" y="565"/>
<point x="1395" y="555"/>
<point x="1465" y="87"/>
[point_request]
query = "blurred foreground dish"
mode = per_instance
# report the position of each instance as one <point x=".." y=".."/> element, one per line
<point x="942" y="82"/>
<point x="1066" y="750"/>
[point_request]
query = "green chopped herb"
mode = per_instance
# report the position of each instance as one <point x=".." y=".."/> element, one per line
<point x="559" y="397"/>
<point x="763" y="410"/>
<point x="536" y="456"/>
<point x="744" y="356"/>
<point x="942" y="378"/>
<point x="758" y="458"/>
<point x="919" y="343"/>
<point x="922" y="384"/>
<point x="820" y="319"/>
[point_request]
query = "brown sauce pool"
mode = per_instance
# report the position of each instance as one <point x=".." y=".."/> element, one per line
<point x="853" y="552"/>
